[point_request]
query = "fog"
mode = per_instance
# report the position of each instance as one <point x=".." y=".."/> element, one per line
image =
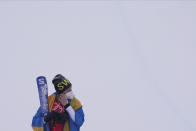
<point x="132" y="64"/>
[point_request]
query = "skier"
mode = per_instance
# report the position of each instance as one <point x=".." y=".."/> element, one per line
<point x="65" y="110"/>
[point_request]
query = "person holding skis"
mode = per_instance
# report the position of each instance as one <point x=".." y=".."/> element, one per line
<point x="65" y="110"/>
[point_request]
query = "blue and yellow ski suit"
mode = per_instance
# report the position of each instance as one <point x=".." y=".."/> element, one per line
<point x="70" y="125"/>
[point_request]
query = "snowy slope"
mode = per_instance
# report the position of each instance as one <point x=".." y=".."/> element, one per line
<point x="132" y="64"/>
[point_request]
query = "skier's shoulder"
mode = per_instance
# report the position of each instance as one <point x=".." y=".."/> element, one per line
<point x="75" y="103"/>
<point x="52" y="97"/>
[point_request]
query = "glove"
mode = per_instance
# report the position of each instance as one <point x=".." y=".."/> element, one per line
<point x="56" y="116"/>
<point x="48" y="117"/>
<point x="60" y="118"/>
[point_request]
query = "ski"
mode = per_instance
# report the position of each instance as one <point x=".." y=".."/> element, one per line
<point x="43" y="97"/>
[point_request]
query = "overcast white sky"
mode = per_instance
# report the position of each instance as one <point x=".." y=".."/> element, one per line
<point x="132" y="64"/>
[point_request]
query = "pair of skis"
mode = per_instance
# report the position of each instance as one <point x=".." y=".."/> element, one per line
<point x="43" y="97"/>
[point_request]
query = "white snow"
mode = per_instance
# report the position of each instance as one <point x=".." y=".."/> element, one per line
<point x="132" y="64"/>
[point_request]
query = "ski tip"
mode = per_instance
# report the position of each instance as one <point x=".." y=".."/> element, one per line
<point x="41" y="80"/>
<point x="41" y="77"/>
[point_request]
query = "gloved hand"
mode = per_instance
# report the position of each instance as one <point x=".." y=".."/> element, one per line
<point x="49" y="117"/>
<point x="56" y="116"/>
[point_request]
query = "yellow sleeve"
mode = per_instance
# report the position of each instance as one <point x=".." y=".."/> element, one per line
<point x="38" y="128"/>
